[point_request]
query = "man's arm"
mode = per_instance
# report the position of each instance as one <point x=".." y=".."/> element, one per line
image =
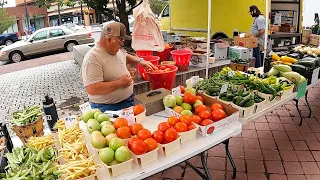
<point x="132" y="60"/>
<point x="260" y="33"/>
<point x="261" y="26"/>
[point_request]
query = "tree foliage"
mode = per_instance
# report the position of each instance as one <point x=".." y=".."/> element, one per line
<point x="157" y="6"/>
<point x="6" y="21"/>
<point x="3" y="2"/>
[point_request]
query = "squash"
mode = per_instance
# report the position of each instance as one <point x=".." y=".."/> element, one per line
<point x="275" y="57"/>
<point x="288" y="59"/>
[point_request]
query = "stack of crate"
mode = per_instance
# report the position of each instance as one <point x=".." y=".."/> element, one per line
<point x="306" y="34"/>
<point x="315" y="40"/>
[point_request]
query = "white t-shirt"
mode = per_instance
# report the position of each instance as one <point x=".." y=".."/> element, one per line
<point x="100" y="66"/>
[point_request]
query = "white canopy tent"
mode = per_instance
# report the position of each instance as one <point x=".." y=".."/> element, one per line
<point x="209" y="33"/>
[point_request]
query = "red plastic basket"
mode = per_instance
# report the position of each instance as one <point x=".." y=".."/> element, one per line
<point x="182" y="58"/>
<point x="153" y="59"/>
<point x="163" y="80"/>
<point x="164" y="55"/>
<point x="142" y="53"/>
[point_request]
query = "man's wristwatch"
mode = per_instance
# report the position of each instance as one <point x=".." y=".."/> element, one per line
<point x="139" y="60"/>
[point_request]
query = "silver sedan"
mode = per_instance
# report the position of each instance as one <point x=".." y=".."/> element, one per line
<point x="45" y="40"/>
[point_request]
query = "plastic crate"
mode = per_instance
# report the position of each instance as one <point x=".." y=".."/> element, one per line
<point x="153" y="59"/>
<point x="182" y="58"/>
<point x="163" y="80"/>
<point x="142" y="53"/>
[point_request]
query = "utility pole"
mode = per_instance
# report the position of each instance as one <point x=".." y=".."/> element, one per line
<point x="27" y="14"/>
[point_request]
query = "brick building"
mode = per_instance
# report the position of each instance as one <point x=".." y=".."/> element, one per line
<point x="38" y="17"/>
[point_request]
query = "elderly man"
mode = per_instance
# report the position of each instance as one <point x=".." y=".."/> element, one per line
<point x="104" y="70"/>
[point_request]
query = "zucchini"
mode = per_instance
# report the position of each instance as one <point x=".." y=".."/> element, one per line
<point x="309" y="64"/>
<point x="298" y="68"/>
<point x="249" y="104"/>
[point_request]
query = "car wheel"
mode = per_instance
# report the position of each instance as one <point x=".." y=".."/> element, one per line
<point x="70" y="45"/>
<point x="8" y="42"/>
<point x="16" y="57"/>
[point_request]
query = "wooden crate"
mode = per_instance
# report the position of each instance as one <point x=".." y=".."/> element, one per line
<point x="314" y="40"/>
<point x="33" y="129"/>
<point x="239" y="67"/>
<point x="306" y="33"/>
<point x="305" y="40"/>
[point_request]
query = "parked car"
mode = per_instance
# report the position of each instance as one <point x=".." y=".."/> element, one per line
<point x="130" y="19"/>
<point x="7" y="39"/>
<point x="45" y="40"/>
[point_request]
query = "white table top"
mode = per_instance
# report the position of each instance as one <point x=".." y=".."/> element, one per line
<point x="188" y="150"/>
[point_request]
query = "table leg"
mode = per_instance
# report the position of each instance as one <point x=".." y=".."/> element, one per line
<point x="306" y="98"/>
<point x="204" y="165"/>
<point x="196" y="170"/>
<point x="234" y="175"/>
<point x="299" y="111"/>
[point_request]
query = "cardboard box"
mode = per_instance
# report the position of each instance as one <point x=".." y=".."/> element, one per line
<point x="305" y="40"/>
<point x="251" y="53"/>
<point x="199" y="59"/>
<point x="232" y="116"/>
<point x="237" y="52"/>
<point x="152" y="100"/>
<point x="314" y="40"/>
<point x="306" y="33"/>
<point x="246" y="42"/>
<point x="288" y="28"/>
<point x="277" y="18"/>
<point x="274" y="28"/>
<point x="221" y="50"/>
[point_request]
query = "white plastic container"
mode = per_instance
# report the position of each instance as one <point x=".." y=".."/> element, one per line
<point x="119" y="169"/>
<point x="244" y="111"/>
<point x="147" y="158"/>
<point x="188" y="135"/>
<point x="285" y="93"/>
<point x="167" y="149"/>
<point x="260" y="106"/>
<point x="140" y="117"/>
<point x="267" y="97"/>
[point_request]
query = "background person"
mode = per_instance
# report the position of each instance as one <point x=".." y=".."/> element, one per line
<point x="258" y="30"/>
<point x="106" y="78"/>
<point x="315" y="26"/>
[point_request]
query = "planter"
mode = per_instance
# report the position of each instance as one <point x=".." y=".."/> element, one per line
<point x="32" y="129"/>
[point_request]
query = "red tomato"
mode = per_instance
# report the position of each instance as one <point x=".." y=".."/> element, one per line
<point x="120" y="122"/>
<point x="216" y="106"/>
<point x="151" y="143"/>
<point x="204" y="114"/>
<point x="158" y="136"/>
<point x="138" y="109"/>
<point x="196" y="119"/>
<point x="139" y="147"/>
<point x="135" y="128"/>
<point x="170" y="135"/>
<point x="186" y="119"/>
<point x="163" y="126"/>
<point x="162" y="67"/>
<point x="143" y="134"/>
<point x="199" y="98"/>
<point x="172" y="120"/>
<point x="189" y="98"/>
<point x="218" y="114"/>
<point x="130" y="141"/>
<point x="182" y="89"/>
<point x="123" y="132"/>
<point x="181" y="127"/>
<point x="167" y="69"/>
<point x="191" y="126"/>
<point x="200" y="108"/>
<point x="206" y="122"/>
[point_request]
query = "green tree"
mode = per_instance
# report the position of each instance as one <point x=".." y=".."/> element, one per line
<point x="3" y="2"/>
<point x="157" y="6"/>
<point x="6" y="21"/>
<point x="47" y="3"/>
<point x="121" y="9"/>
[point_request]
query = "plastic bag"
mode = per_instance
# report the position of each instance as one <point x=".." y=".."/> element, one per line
<point x="146" y="32"/>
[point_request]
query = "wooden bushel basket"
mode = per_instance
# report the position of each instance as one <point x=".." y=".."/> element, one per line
<point x="32" y="129"/>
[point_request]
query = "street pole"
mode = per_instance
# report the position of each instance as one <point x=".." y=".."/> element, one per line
<point x="27" y="14"/>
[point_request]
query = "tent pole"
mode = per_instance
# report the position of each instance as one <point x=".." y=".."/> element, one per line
<point x="266" y="34"/>
<point x="208" y="37"/>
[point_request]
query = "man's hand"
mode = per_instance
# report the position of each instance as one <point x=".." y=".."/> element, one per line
<point x="125" y="80"/>
<point x="147" y="65"/>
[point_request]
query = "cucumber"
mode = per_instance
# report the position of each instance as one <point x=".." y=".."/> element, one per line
<point x="244" y="101"/>
<point x="225" y="99"/>
<point x="244" y="94"/>
<point x="223" y="94"/>
<point x="213" y="90"/>
<point x="238" y="100"/>
<point x="249" y="104"/>
<point x="230" y="96"/>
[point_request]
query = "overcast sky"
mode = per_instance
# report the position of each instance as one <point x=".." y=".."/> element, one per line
<point x="11" y="3"/>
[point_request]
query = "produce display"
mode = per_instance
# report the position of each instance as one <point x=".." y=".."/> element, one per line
<point x="28" y="115"/>
<point x="308" y="50"/>
<point x="28" y="163"/>
<point x="43" y="142"/>
<point x="241" y="61"/>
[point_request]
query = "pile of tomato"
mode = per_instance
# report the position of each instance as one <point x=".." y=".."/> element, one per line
<point x="138" y="109"/>
<point x="204" y="115"/>
<point x="160" y="69"/>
